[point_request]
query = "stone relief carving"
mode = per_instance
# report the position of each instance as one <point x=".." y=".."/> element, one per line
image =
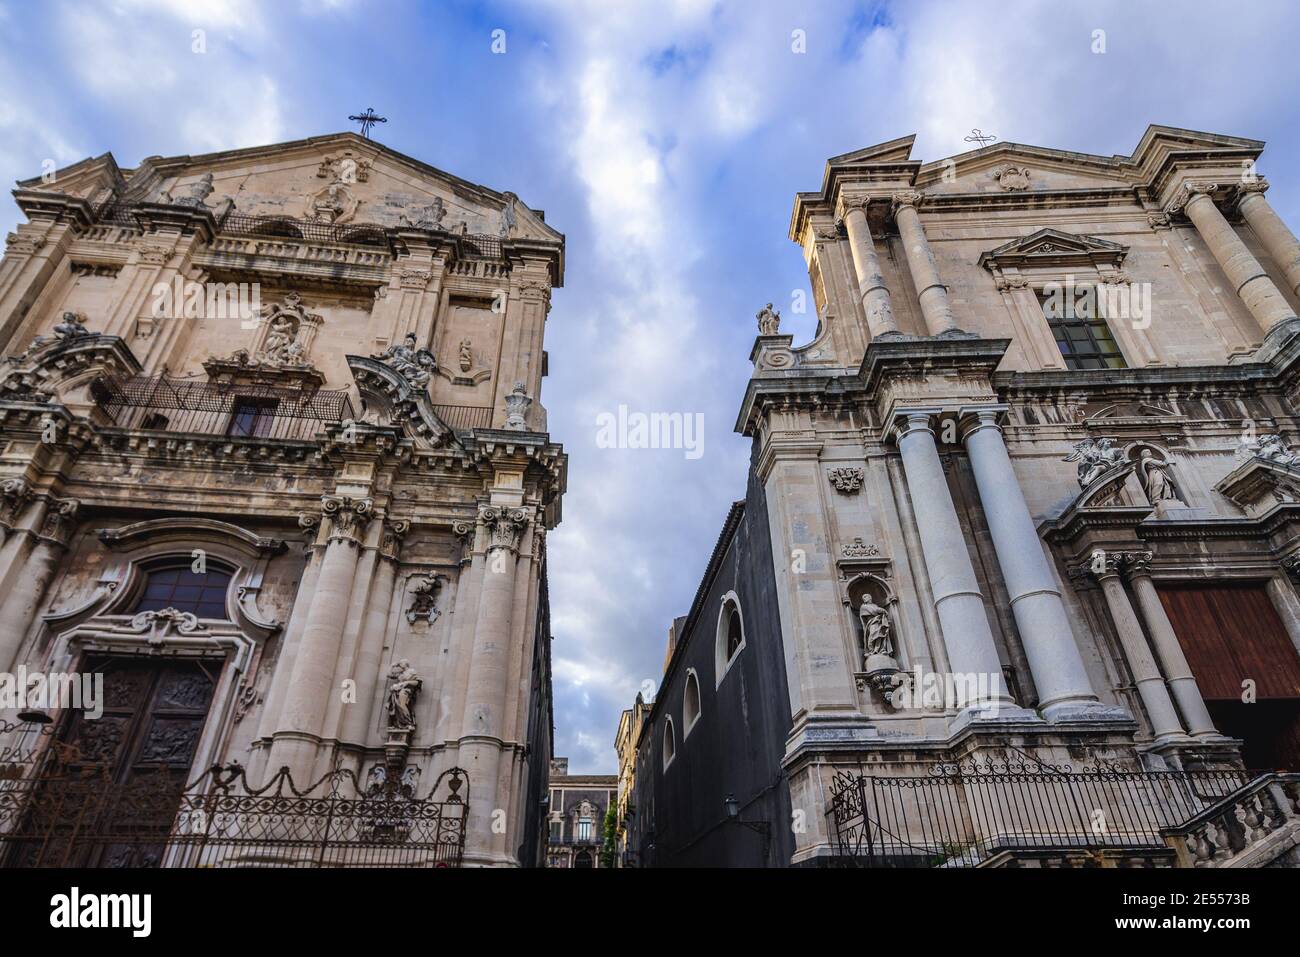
<point x="160" y="623"/>
<point x="413" y="363"/>
<point x="769" y="321"/>
<point x="404" y="684"/>
<point x="424" y="597"/>
<point x="1012" y="178"/>
<point x="846" y="480"/>
<point x="344" y="168"/>
<point x="286" y="333"/>
<point x="424" y="215"/>
<point x="517" y="403"/>
<point x="1094" y="456"/>
<point x="1270" y="448"/>
<point x="860" y="549"/>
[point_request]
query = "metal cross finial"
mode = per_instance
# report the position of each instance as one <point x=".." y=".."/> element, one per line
<point x="368" y="119"/>
<point x="983" y="139"/>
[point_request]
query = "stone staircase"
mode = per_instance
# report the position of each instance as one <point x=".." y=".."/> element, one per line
<point x="1258" y="825"/>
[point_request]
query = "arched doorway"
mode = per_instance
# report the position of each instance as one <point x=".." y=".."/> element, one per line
<point x="583" y="859"/>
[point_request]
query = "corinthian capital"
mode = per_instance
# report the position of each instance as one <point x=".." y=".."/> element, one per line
<point x="505" y="525"/>
<point x="1137" y="564"/>
<point x="60" y="519"/>
<point x="907" y="197"/>
<point x="1256" y="184"/>
<point x="1187" y="192"/>
<point x="349" y="516"/>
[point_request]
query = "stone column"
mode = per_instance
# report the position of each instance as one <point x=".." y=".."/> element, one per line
<point x="1150" y="685"/>
<point x="1178" y="674"/>
<point x="307" y="695"/>
<point x="1265" y="302"/>
<point x="1272" y="232"/>
<point x="482" y="740"/>
<point x="876" y="305"/>
<point x="1064" y="690"/>
<point x="957" y="597"/>
<point x="370" y="642"/>
<point x="930" y="290"/>
<point x="20" y="605"/>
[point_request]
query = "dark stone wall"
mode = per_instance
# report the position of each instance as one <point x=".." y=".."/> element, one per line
<point x="737" y="743"/>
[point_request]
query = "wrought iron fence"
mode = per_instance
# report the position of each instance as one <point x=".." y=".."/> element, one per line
<point x="460" y="417"/>
<point x="58" y="810"/>
<point x="255" y="409"/>
<point x="960" y="816"/>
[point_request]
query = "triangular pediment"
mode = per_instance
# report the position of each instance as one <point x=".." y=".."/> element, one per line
<point x="1055" y="242"/>
<point x="892" y="151"/>
<point x="87" y="179"/>
<point x="343" y="177"/>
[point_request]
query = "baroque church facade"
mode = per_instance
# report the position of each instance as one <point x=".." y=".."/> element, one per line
<point x="1013" y="582"/>
<point x="274" y="462"/>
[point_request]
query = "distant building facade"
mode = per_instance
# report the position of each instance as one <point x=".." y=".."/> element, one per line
<point x="273" y="462"/>
<point x="1025" y="512"/>
<point x="576" y="816"/>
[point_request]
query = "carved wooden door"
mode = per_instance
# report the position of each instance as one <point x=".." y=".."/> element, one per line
<point x="139" y="753"/>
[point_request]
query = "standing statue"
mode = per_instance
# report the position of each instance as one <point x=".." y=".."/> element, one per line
<point x="1094" y="456"/>
<point x="876" y="639"/>
<point x="769" y="321"/>
<point x="466" y="356"/>
<point x="401" y="695"/>
<point x="1154" y="474"/>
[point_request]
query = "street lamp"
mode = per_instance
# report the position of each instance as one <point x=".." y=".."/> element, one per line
<point x="758" y="827"/>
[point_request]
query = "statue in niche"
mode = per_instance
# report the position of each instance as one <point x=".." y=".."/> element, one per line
<point x="466" y="355"/>
<point x="412" y="363"/>
<point x="1094" y="456"/>
<point x="876" y="639"/>
<point x="281" y="346"/>
<point x="769" y="321"/>
<point x="1271" y="448"/>
<point x="1154" y="474"/>
<point x="404" y="685"/>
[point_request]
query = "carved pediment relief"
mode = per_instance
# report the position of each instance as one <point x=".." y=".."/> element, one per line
<point x="391" y="398"/>
<point x="1055" y="248"/>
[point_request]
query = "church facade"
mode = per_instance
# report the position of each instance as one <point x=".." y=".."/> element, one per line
<point x="1014" y="579"/>
<point x="274" y="465"/>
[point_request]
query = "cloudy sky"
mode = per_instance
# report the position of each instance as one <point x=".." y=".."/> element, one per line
<point x="666" y="140"/>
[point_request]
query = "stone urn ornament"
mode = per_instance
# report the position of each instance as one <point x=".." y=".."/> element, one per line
<point x="517" y="403"/>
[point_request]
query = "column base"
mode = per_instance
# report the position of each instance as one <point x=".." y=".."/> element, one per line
<point x="1084" y="711"/>
<point x="1277" y="337"/>
<point x="991" y="715"/>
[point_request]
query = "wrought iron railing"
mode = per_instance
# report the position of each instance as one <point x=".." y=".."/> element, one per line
<point x="57" y="810"/>
<point x="473" y="245"/>
<point x="458" y="417"/>
<point x="246" y="410"/>
<point x="960" y="816"/>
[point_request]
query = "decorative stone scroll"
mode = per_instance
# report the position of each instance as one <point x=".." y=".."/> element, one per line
<point x="349" y="516"/>
<point x="505" y="525"/>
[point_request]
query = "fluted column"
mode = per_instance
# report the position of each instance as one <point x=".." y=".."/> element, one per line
<point x="930" y="289"/>
<point x="1064" y="690"/>
<point x="374" y="630"/>
<point x="957" y="598"/>
<point x="20" y="604"/>
<point x="1271" y="230"/>
<point x="484" y="723"/>
<point x="1150" y="685"/>
<point x="876" y="305"/>
<point x="307" y="695"/>
<point x="1264" y="300"/>
<point x="1178" y="674"/>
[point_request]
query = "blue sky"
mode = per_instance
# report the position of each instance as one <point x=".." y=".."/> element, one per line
<point x="666" y="140"/>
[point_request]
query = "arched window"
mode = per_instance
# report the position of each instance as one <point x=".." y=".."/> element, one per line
<point x="178" y="586"/>
<point x="670" y="743"/>
<point x="731" y="635"/>
<point x="690" y="703"/>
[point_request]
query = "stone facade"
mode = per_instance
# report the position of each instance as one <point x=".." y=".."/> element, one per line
<point x="575" y="816"/>
<point x="362" y="458"/>
<point x="1085" y="538"/>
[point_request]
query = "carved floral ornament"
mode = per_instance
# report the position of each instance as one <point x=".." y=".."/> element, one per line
<point x="1011" y="178"/>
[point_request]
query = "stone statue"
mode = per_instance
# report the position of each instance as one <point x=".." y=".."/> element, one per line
<point x="402" y="689"/>
<point x="769" y="321"/>
<point x="466" y="356"/>
<point x="1094" y="456"/>
<point x="876" y="639"/>
<point x="195" y="195"/>
<point x="425" y="216"/>
<point x="414" y="364"/>
<point x="1271" y="448"/>
<point x="1154" y="473"/>
<point x="71" y="327"/>
<point x="281" y="346"/>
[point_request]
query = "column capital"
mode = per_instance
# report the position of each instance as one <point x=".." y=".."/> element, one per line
<point x="972" y="419"/>
<point x="1137" y="565"/>
<point x="1188" y="192"/>
<point x="1291" y="565"/>
<point x="59" y="521"/>
<point x="1257" y="186"/>
<point x="849" y="204"/>
<point x="465" y="532"/>
<point x="904" y="198"/>
<point x="907" y="421"/>
<point x="505" y="525"/>
<point x="390" y="539"/>
<point x="349" y="516"/>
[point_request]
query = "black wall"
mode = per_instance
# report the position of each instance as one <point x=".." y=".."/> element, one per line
<point x="736" y="746"/>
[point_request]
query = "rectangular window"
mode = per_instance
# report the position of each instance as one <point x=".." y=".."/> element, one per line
<point x="584" y="829"/>
<point x="252" y="417"/>
<point x="556" y="831"/>
<point x="1077" y="320"/>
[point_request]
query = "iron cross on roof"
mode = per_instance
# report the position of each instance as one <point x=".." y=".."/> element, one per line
<point x="983" y="139"/>
<point x="368" y="119"/>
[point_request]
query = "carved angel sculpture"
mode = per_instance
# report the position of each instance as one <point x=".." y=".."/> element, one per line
<point x="1271" y="448"/>
<point x="414" y="364"/>
<point x="1094" y="456"/>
